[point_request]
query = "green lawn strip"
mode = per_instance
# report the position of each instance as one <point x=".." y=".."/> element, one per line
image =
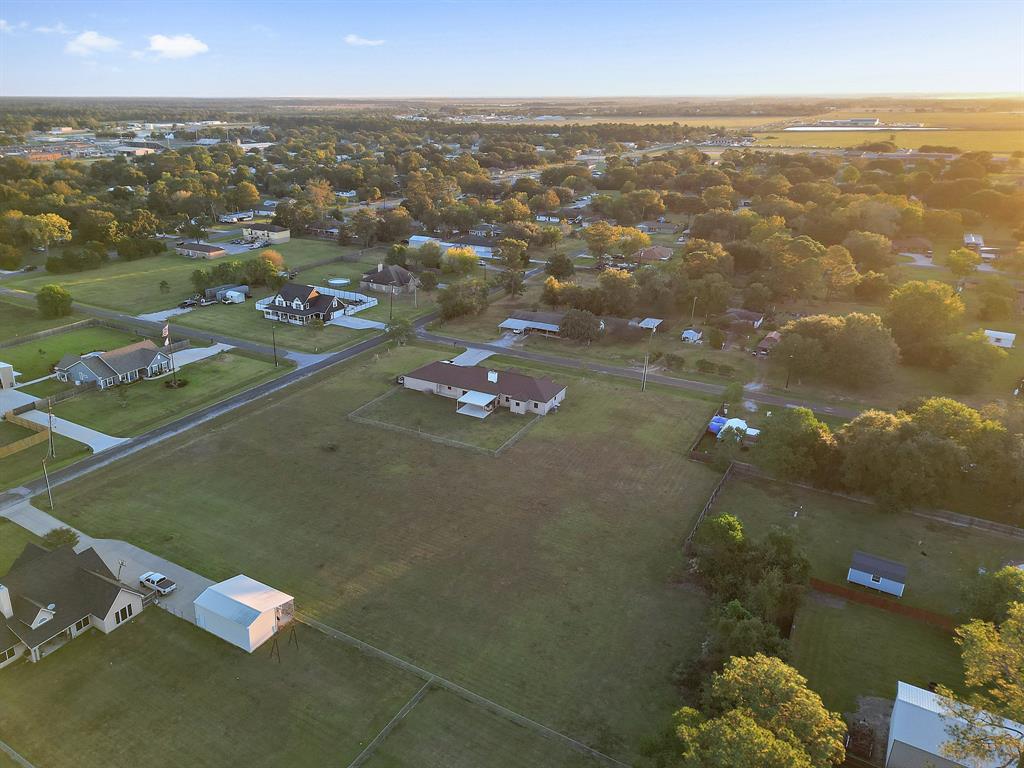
<point x="13" y="539"/>
<point x="848" y="650"/>
<point x="18" y="320"/>
<point x="46" y="388"/>
<point x="34" y="359"/>
<point x="941" y="559"/>
<point x="216" y="705"/>
<point x="242" y="321"/>
<point x="444" y="731"/>
<point x="436" y="416"/>
<point x="541" y="579"/>
<point x="130" y="410"/>
<point x="12" y="433"/>
<point x="26" y="465"/>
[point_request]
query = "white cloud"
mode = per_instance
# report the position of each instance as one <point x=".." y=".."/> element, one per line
<point x="89" y="42"/>
<point x="6" y="26"/>
<point x="357" y="40"/>
<point x="176" y="46"/>
<point x="56" y="29"/>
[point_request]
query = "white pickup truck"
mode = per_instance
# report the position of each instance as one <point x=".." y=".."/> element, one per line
<point x="157" y="582"/>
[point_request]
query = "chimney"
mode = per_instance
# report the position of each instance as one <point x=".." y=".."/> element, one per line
<point x="6" y="609"/>
<point x="380" y="267"/>
<point x="492" y="376"/>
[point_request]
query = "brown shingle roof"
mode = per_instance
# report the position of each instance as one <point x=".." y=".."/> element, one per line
<point x="516" y="385"/>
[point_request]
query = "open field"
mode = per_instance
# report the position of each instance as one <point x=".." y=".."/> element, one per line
<point x="211" y="703"/>
<point x="131" y="410"/>
<point x="13" y="539"/>
<point x="941" y="559"/>
<point x="542" y="579"/>
<point x="35" y="359"/>
<point x="26" y="465"/>
<point x="436" y="417"/>
<point x="968" y="141"/>
<point x="848" y="650"/>
<point x="17" y="320"/>
<point x="134" y="286"/>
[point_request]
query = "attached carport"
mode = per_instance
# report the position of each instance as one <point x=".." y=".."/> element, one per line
<point x="479" y="405"/>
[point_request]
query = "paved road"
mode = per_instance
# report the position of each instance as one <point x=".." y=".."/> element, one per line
<point x="628" y="373"/>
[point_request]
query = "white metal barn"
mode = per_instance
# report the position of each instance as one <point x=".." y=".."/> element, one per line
<point x="243" y="611"/>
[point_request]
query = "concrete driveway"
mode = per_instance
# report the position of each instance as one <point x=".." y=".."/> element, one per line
<point x="472" y="357"/>
<point x="98" y="441"/>
<point x="164" y="314"/>
<point x="356" y="323"/>
<point x="195" y="354"/>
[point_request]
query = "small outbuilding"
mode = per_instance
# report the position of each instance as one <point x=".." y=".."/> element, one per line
<point x="243" y="611"/>
<point x="878" y="573"/>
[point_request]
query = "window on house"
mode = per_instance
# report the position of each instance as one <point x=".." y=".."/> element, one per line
<point x="81" y="624"/>
<point x="876" y="579"/>
<point x="123" y="615"/>
<point x="5" y="655"/>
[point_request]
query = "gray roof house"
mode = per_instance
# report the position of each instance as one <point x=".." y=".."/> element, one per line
<point x="389" y="278"/>
<point x="50" y="597"/>
<point x="142" y="360"/>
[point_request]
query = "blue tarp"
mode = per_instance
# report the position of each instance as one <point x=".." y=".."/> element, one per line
<point x="716" y="424"/>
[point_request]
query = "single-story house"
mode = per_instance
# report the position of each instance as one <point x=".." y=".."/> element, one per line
<point x="327" y="229"/>
<point x="51" y="596"/>
<point x="235" y="217"/>
<point x="914" y="244"/>
<point x="1003" y="339"/>
<point x="692" y="336"/>
<point x="658" y="227"/>
<point x="738" y="316"/>
<point x="919" y="728"/>
<point x="300" y="304"/>
<point x="544" y="323"/>
<point x="973" y="241"/>
<point x="200" y="250"/>
<point x="478" y="390"/>
<point x="487" y="230"/>
<point x="483" y="247"/>
<point x="8" y="376"/>
<point x="878" y="573"/>
<point x="141" y="360"/>
<point x="767" y="344"/>
<point x="389" y="278"/>
<point x="651" y="254"/>
<point x="273" y="233"/>
<point x="243" y="611"/>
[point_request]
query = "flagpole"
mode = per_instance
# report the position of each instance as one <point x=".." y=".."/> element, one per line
<point x="170" y="354"/>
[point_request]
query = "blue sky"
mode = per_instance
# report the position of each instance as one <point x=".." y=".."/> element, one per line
<point x="507" y="49"/>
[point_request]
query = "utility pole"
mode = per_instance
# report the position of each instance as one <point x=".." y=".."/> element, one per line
<point x="391" y="309"/>
<point x="49" y="408"/>
<point x="273" y="336"/>
<point x="49" y="491"/>
<point x="693" y="310"/>
<point x="647" y="360"/>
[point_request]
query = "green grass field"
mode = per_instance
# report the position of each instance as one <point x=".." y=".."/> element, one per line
<point x="26" y="465"/>
<point x="542" y="579"/>
<point x="12" y="433"/>
<point x="1004" y="141"/>
<point x="941" y="559"/>
<point x="35" y="359"/>
<point x="435" y="416"/>
<point x="847" y="650"/>
<point x="131" y="410"/>
<point x="17" y="320"/>
<point x="203" y="701"/>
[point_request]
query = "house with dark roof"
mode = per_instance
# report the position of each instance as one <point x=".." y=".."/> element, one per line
<point x="200" y="250"/>
<point x="389" y="278"/>
<point x="272" y="233"/>
<point x="300" y="305"/>
<point x="142" y="360"/>
<point x="878" y="573"/>
<point x="478" y="390"/>
<point x="651" y="254"/>
<point x="50" y="597"/>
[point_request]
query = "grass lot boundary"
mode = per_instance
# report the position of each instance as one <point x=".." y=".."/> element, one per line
<point x="462" y="693"/>
<point x="877" y="601"/>
<point x="18" y="340"/>
<point x="688" y="545"/>
<point x="417" y="697"/>
<point x="357" y="417"/>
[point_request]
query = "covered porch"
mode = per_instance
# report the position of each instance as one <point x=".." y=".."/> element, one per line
<point x="479" y="405"/>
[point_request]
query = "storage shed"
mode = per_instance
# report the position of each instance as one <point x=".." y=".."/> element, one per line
<point x="877" y="573"/>
<point x="243" y="611"/>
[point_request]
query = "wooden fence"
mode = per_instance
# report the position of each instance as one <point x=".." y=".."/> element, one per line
<point x="877" y="601"/>
<point x="688" y="544"/>
<point x="42" y="434"/>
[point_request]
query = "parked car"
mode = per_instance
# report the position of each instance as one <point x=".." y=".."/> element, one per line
<point x="31" y="268"/>
<point x="157" y="582"/>
<point x="188" y="304"/>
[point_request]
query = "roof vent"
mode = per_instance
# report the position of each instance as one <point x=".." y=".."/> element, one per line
<point x="492" y="376"/>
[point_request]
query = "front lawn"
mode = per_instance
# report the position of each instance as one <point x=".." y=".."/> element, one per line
<point x="941" y="559"/>
<point x="132" y="409"/>
<point x="847" y="650"/>
<point x="435" y="416"/>
<point x="160" y="691"/>
<point x="544" y="579"/>
<point x="27" y="465"/>
<point x="17" y="320"/>
<point x="35" y="359"/>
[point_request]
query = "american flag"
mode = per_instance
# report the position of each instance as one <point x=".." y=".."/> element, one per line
<point x="167" y="334"/>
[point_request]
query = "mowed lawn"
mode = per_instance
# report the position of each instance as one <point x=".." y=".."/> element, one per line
<point x="26" y="465"/>
<point x="435" y="416"/>
<point x="847" y="650"/>
<point x="131" y="410"/>
<point x="160" y="691"/>
<point x="13" y="539"/>
<point x="941" y="559"/>
<point x="34" y="359"/>
<point x="17" y="320"/>
<point x="543" y="579"/>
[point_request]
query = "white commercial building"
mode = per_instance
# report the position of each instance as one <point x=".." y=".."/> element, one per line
<point x="243" y="611"/>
